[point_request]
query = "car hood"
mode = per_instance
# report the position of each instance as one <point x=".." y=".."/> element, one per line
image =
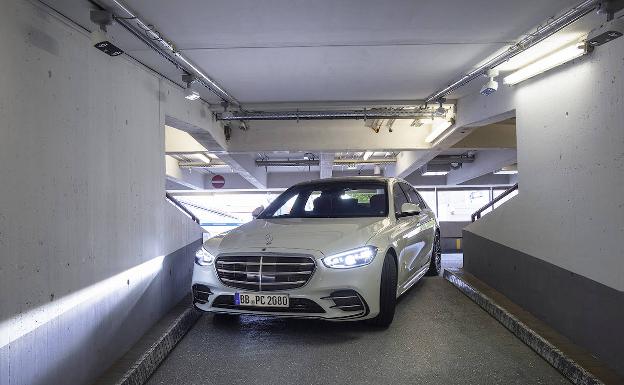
<point x="327" y="235"/>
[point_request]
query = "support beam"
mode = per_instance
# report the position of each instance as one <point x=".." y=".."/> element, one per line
<point x="245" y="166"/>
<point x="410" y="161"/>
<point x="485" y="163"/>
<point x="190" y="179"/>
<point x="320" y="136"/>
<point x="326" y="164"/>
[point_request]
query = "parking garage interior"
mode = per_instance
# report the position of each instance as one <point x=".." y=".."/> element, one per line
<point x="133" y="131"/>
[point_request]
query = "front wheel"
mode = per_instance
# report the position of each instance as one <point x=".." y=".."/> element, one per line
<point x="435" y="266"/>
<point x="387" y="293"/>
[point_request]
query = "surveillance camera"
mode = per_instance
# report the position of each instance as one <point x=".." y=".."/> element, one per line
<point x="103" y="18"/>
<point x="489" y="88"/>
<point x="101" y="41"/>
<point x="492" y="85"/>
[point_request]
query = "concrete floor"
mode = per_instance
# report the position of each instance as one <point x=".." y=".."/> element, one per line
<point x="438" y="336"/>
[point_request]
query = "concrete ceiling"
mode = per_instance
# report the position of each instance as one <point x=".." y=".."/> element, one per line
<point x="284" y="50"/>
<point x="325" y="50"/>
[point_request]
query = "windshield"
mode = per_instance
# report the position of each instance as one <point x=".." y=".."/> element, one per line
<point x="330" y="200"/>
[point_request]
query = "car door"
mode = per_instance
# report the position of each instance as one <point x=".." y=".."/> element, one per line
<point x="407" y="250"/>
<point x="425" y="224"/>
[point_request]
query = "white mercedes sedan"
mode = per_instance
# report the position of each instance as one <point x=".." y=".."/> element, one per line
<point x="337" y="249"/>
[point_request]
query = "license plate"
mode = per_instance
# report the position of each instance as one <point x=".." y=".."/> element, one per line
<point x="261" y="300"/>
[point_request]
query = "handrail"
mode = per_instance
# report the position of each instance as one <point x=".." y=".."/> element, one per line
<point x="182" y="207"/>
<point x="477" y="214"/>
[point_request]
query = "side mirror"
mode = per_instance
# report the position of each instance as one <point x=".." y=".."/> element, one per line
<point x="257" y="211"/>
<point x="408" y="209"/>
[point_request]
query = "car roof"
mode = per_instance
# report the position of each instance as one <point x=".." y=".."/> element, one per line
<point x="351" y="179"/>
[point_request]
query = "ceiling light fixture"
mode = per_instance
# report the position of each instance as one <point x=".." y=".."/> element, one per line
<point x="435" y="173"/>
<point x="441" y="110"/>
<point x="367" y="155"/>
<point x="438" y="127"/>
<point x="507" y="170"/>
<point x="189" y="92"/>
<point x="553" y="60"/>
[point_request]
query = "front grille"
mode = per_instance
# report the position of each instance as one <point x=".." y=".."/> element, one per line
<point x="296" y="305"/>
<point x="265" y="272"/>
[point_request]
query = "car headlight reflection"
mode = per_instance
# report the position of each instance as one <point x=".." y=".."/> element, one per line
<point x="361" y="256"/>
<point x="203" y="257"/>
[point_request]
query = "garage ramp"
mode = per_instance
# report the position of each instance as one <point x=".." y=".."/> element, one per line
<point x="439" y="336"/>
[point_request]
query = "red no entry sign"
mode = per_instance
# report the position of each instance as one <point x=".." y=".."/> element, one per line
<point x="218" y="181"/>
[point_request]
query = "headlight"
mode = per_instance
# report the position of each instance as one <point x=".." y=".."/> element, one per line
<point x="361" y="256"/>
<point x="203" y="258"/>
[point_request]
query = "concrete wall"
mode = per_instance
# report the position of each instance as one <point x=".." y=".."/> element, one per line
<point x="569" y="213"/>
<point x="91" y="255"/>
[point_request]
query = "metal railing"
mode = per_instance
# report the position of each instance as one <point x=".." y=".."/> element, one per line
<point x="477" y="214"/>
<point x="179" y="205"/>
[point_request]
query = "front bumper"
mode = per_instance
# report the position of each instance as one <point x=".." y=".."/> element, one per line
<point x="332" y="294"/>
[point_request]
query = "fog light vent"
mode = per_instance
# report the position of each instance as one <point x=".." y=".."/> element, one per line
<point x="346" y="300"/>
<point x="201" y="293"/>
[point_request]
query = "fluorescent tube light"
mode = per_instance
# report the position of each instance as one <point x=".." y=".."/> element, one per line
<point x="434" y="173"/>
<point x="367" y="155"/>
<point x="551" y="61"/>
<point x="506" y="172"/>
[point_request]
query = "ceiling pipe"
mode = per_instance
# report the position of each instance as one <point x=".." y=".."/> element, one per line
<point x="551" y="27"/>
<point x="325" y="115"/>
<point x="287" y="163"/>
<point x="365" y="161"/>
<point x="200" y="165"/>
<point x="448" y="159"/>
<point x="150" y="35"/>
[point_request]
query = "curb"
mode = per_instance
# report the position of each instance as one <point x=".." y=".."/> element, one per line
<point x="142" y="369"/>
<point x="572" y="370"/>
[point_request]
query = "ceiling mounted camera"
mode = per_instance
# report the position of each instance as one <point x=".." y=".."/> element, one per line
<point x="492" y="85"/>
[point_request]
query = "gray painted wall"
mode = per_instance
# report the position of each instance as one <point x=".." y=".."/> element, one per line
<point x="587" y="312"/>
<point x="91" y="255"/>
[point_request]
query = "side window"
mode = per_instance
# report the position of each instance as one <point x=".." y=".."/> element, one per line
<point x="423" y="204"/>
<point x="413" y="195"/>
<point x="399" y="198"/>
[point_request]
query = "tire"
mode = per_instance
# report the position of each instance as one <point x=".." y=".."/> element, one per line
<point x="435" y="266"/>
<point x="387" y="293"/>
